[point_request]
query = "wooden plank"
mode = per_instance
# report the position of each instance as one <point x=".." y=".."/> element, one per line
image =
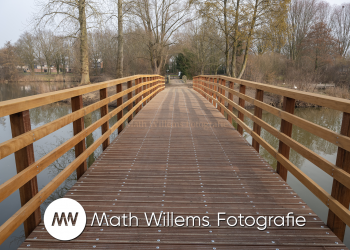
<point x="129" y="85"/>
<point x="119" y="103"/>
<point x="104" y="111"/>
<point x="286" y="128"/>
<point x="78" y="126"/>
<point x="20" y="124"/>
<point x="321" y="100"/>
<point x="241" y="102"/>
<point x="259" y="95"/>
<point x="340" y="192"/>
<point x="25" y="103"/>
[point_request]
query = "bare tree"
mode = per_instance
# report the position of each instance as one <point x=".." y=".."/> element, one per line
<point x="25" y="48"/>
<point x="120" y="58"/>
<point x="159" y="19"/>
<point x="72" y="18"/>
<point x="341" y="28"/>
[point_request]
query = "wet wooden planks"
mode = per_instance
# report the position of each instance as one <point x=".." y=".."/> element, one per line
<point x="181" y="155"/>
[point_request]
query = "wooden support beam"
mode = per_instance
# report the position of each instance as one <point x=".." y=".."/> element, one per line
<point x="259" y="95"/>
<point x="104" y="111"/>
<point x="136" y="92"/>
<point x="286" y="128"/>
<point x="241" y="102"/>
<point x="215" y="90"/>
<point x="20" y="124"/>
<point x="119" y="103"/>
<point x="230" y="97"/>
<point x="131" y="104"/>
<point x="78" y="126"/>
<point x="223" y="82"/>
<point x="339" y="191"/>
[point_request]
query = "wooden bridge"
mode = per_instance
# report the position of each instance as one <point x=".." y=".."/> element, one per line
<point x="179" y="154"/>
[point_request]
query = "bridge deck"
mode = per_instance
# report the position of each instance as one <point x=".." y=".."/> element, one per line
<point x="181" y="155"/>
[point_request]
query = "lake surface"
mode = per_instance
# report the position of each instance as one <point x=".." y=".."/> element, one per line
<point x="42" y="115"/>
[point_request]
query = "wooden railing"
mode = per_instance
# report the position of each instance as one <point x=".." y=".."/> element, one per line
<point x="145" y="88"/>
<point x="214" y="88"/>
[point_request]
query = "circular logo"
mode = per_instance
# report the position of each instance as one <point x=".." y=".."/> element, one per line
<point x="65" y="219"/>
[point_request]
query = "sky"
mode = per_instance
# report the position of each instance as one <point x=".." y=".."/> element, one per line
<point x="15" y="16"/>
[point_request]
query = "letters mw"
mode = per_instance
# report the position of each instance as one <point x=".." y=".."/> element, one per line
<point x="63" y="217"/>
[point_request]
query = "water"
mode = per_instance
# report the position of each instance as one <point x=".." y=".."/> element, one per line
<point x="42" y="115"/>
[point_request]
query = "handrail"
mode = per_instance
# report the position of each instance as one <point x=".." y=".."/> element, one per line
<point x="146" y="87"/>
<point x="214" y="87"/>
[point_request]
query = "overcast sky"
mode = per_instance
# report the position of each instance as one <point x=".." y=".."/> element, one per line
<point x="15" y="16"/>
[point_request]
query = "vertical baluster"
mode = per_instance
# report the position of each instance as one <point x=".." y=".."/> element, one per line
<point x="20" y="124"/>
<point x="215" y="95"/>
<point x="241" y="103"/>
<point x="286" y="128"/>
<point x="119" y="103"/>
<point x="259" y="95"/>
<point x="104" y="111"/>
<point x="78" y="126"/>
<point x="230" y="97"/>
<point x="339" y="191"/>
<point x="136" y="93"/>
<point x="130" y="106"/>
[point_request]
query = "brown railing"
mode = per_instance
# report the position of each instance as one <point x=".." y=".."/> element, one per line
<point x="145" y="88"/>
<point x="214" y="88"/>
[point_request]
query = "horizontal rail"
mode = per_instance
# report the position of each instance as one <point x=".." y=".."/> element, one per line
<point x="15" y="144"/>
<point x="339" y="174"/>
<point x="22" y="214"/>
<point x="11" y="185"/>
<point x="320" y="100"/>
<point x="18" y="105"/>
<point x="342" y="212"/>
<point x="322" y="132"/>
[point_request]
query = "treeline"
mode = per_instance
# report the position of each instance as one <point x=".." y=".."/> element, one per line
<point x="274" y="41"/>
<point x="298" y="41"/>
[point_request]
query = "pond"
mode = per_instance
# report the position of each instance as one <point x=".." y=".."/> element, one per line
<point x="42" y="115"/>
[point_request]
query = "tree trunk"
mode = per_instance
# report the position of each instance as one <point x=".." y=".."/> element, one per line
<point x="120" y="40"/>
<point x="251" y="30"/>
<point x="235" y="42"/>
<point x="227" y="49"/>
<point x="84" y="56"/>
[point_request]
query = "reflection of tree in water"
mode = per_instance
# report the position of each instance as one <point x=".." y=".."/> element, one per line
<point x="324" y="117"/>
<point x="48" y="113"/>
<point x="16" y="241"/>
<point x="54" y="169"/>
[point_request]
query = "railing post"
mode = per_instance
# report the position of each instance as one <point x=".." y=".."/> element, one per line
<point x="214" y="95"/>
<point x="259" y="95"/>
<point x="286" y="128"/>
<point x="119" y="103"/>
<point x="230" y="97"/>
<point x="136" y="93"/>
<point x="241" y="103"/>
<point x="339" y="191"/>
<point x="20" y="124"/>
<point x="104" y="111"/>
<point x="78" y="126"/>
<point x="223" y="92"/>
<point x="131" y="104"/>
<point x="144" y="87"/>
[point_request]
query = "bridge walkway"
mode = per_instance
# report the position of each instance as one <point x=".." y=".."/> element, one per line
<point x="180" y="155"/>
